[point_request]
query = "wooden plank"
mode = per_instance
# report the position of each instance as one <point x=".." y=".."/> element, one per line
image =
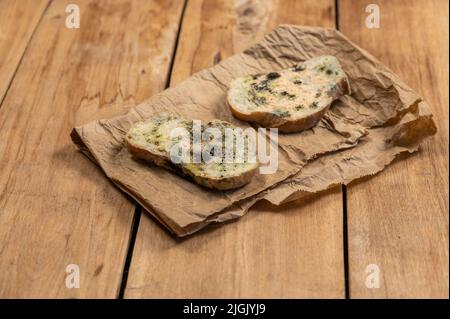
<point x="56" y="207"/>
<point x="18" y="20"/>
<point x="293" y="251"/>
<point x="398" y="220"/>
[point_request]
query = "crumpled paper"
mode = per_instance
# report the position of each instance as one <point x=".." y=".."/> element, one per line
<point x="358" y="136"/>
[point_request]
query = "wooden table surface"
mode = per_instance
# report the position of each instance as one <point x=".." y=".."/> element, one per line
<point x="58" y="209"/>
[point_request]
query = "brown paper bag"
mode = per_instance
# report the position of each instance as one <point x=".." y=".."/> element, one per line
<point x="358" y="136"/>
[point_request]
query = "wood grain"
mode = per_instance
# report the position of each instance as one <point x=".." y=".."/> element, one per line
<point x="293" y="251"/>
<point x="57" y="208"/>
<point x="399" y="219"/>
<point x="216" y="29"/>
<point x="18" y="20"/>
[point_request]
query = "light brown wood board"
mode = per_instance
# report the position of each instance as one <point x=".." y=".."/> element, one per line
<point x="398" y="220"/>
<point x="56" y="207"/>
<point x="292" y="251"/>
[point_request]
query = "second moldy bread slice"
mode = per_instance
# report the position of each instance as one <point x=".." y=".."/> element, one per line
<point x="292" y="99"/>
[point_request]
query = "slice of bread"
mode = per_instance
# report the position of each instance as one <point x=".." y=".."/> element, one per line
<point x="292" y="99"/>
<point x="154" y="140"/>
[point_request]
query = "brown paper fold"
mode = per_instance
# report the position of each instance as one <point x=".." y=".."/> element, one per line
<point x="358" y="136"/>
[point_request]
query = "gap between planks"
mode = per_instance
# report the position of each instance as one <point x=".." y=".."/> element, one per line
<point x="23" y="53"/>
<point x="139" y="209"/>
<point x="344" y="198"/>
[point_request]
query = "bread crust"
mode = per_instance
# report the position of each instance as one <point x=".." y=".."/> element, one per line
<point x="286" y="125"/>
